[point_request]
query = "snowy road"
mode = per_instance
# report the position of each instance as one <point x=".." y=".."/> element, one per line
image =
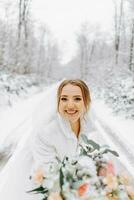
<point x="16" y="121"/>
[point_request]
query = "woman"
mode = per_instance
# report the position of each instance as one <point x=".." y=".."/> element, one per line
<point x="58" y="123"/>
<point x="61" y="136"/>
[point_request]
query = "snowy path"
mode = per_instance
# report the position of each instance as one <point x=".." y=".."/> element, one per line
<point x="15" y="122"/>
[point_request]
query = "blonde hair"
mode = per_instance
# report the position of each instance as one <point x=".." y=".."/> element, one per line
<point x="84" y="89"/>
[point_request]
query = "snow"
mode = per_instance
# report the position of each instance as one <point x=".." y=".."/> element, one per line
<point x="14" y="87"/>
<point x="117" y="131"/>
<point x="119" y="95"/>
<point x="16" y="120"/>
<point x="19" y="95"/>
<point x="124" y="127"/>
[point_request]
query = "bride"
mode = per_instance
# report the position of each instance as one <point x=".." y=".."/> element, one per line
<point x="58" y="122"/>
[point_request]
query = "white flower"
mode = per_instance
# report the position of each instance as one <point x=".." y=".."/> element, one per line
<point x="123" y="195"/>
<point x="70" y="196"/>
<point x="66" y="186"/>
<point x="87" y="163"/>
<point x="48" y="184"/>
<point x="51" y="181"/>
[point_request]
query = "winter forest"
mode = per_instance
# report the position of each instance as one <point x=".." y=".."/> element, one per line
<point x="32" y="57"/>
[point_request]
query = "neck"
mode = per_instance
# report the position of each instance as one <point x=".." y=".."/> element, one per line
<point x="76" y="128"/>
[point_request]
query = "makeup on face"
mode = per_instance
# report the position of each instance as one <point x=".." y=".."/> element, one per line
<point x="71" y="105"/>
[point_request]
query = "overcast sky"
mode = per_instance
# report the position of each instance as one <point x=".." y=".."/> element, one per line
<point x="65" y="16"/>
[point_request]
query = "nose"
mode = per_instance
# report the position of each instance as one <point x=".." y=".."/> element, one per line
<point x="70" y="104"/>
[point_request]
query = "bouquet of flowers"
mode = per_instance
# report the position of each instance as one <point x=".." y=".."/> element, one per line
<point x="90" y="176"/>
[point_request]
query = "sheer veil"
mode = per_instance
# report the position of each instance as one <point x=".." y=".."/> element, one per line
<point x="14" y="178"/>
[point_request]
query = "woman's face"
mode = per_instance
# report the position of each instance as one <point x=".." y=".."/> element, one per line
<point x="71" y="104"/>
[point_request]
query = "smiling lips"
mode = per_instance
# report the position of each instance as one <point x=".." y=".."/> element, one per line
<point x="71" y="112"/>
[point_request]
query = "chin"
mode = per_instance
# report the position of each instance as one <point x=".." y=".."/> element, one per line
<point x="73" y="120"/>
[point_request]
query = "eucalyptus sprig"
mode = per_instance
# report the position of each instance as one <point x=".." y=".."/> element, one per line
<point x="91" y="146"/>
<point x="40" y="190"/>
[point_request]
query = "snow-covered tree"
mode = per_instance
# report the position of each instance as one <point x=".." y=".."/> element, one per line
<point x="118" y="26"/>
<point x="86" y="40"/>
<point x="131" y="55"/>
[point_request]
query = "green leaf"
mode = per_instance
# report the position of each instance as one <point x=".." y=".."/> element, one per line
<point x="94" y="144"/>
<point x="111" y="151"/>
<point x="45" y="198"/>
<point x="61" y="178"/>
<point x="83" y="152"/>
<point x="91" y="142"/>
<point x="58" y="160"/>
<point x="39" y="190"/>
<point x="85" y="139"/>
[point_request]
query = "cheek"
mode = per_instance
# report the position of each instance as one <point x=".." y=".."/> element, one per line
<point x="61" y="108"/>
<point x="82" y="106"/>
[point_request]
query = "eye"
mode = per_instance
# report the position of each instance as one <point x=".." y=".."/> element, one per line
<point x="77" y="99"/>
<point x="63" y="99"/>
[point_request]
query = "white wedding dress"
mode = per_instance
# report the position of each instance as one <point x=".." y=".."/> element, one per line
<point x="29" y="154"/>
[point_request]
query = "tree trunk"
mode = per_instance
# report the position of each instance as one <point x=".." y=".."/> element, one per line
<point x="20" y="20"/>
<point x="92" y="51"/>
<point x="131" y="58"/>
<point x="118" y="24"/>
<point x="23" y="12"/>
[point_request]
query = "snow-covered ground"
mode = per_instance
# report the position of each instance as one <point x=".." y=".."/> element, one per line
<point x="15" y="121"/>
<point x="121" y="126"/>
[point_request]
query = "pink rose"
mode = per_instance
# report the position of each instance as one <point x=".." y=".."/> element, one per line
<point x="110" y="168"/>
<point x="83" y="189"/>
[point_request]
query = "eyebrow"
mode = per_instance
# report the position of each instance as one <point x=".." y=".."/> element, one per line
<point x="77" y="96"/>
<point x="73" y="96"/>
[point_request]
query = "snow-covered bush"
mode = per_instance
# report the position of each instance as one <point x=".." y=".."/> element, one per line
<point x="119" y="95"/>
<point x="13" y="87"/>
